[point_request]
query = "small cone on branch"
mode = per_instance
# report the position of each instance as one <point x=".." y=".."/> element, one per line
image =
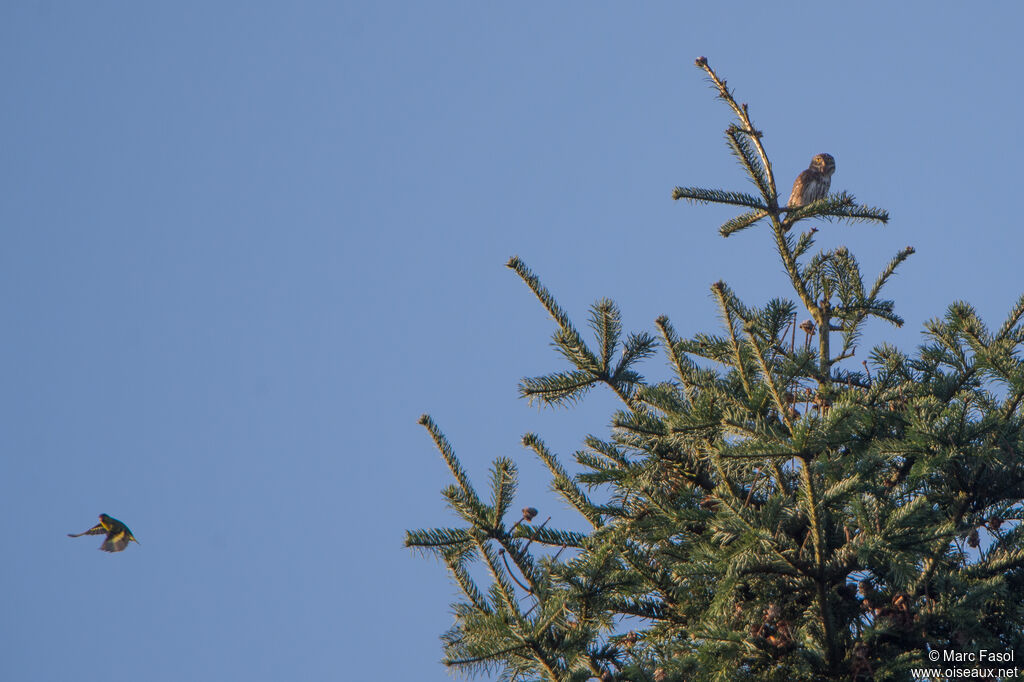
<point x="973" y="540"/>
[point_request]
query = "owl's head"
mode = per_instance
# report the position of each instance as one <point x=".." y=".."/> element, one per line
<point x="824" y="163"/>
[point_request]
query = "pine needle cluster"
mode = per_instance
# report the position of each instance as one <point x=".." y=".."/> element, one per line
<point x="767" y="512"/>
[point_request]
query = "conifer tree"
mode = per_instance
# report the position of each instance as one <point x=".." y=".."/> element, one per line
<point x="773" y="510"/>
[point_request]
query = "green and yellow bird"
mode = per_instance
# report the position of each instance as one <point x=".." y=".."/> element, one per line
<point x="118" y="535"/>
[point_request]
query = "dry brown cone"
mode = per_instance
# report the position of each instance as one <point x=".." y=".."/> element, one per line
<point x="973" y="540"/>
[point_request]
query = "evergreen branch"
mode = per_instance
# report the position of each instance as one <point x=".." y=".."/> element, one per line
<point x="734" y="513"/>
<point x="746" y="126"/>
<point x="715" y="348"/>
<point x="931" y="561"/>
<point x="666" y="397"/>
<point x="571" y="345"/>
<point x="639" y="423"/>
<point x="436" y="538"/>
<point x="649" y="609"/>
<point x="523" y="561"/>
<point x="817" y="267"/>
<point x="858" y="212"/>
<point x="549" y="621"/>
<point x="561" y="482"/>
<point x="607" y="450"/>
<point x="501" y="584"/>
<point x="839" y="205"/>
<point x="1016" y="313"/>
<point x="469" y="587"/>
<point x="740" y="145"/>
<point x="602" y="471"/>
<point x="575" y="351"/>
<point x="776" y="319"/>
<point x="567" y="339"/>
<point x="680" y="363"/>
<point x="471" y="510"/>
<point x="786" y="249"/>
<point x="549" y="666"/>
<point x="741" y="222"/>
<point x="642" y="562"/>
<point x="946" y="334"/>
<point x="725" y="305"/>
<point x="554" y="538"/>
<point x="889" y="270"/>
<point x="997" y="565"/>
<point x="637" y="347"/>
<point x="717" y="196"/>
<point x="820" y="207"/>
<point x="879" y="309"/>
<point x="448" y="454"/>
<point x="842" y="274"/>
<point x="557" y="389"/>
<point x="767" y="375"/>
<point x="1013" y="400"/>
<point x="489" y="656"/>
<point x="485" y="641"/>
<point x="503" y="485"/>
<point x="977" y="336"/>
<point x="749" y="452"/>
<point x="812" y="509"/>
<point x="542" y="294"/>
<point x="606" y="321"/>
<point x="840" y="489"/>
<point x="804" y="242"/>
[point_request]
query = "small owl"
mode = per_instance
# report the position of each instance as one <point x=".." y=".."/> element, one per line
<point x="814" y="182"/>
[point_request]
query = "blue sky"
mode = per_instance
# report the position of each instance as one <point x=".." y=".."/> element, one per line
<point x="246" y="246"/>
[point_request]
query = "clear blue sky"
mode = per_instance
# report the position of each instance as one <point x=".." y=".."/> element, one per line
<point x="244" y="247"/>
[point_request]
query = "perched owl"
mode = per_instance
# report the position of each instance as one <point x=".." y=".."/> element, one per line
<point x="814" y="182"/>
<point x="118" y="535"/>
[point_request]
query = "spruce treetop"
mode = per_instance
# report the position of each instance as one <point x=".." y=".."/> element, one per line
<point x="773" y="510"/>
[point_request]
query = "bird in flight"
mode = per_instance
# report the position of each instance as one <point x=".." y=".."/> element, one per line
<point x="118" y="535"/>
<point x="814" y="182"/>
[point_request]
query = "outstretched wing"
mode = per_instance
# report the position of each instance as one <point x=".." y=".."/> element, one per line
<point x="98" y="529"/>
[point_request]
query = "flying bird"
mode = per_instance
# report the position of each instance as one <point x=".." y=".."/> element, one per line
<point x="814" y="182"/>
<point x="118" y="535"/>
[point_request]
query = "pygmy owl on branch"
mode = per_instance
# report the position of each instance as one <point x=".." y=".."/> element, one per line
<point x="814" y="182"/>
